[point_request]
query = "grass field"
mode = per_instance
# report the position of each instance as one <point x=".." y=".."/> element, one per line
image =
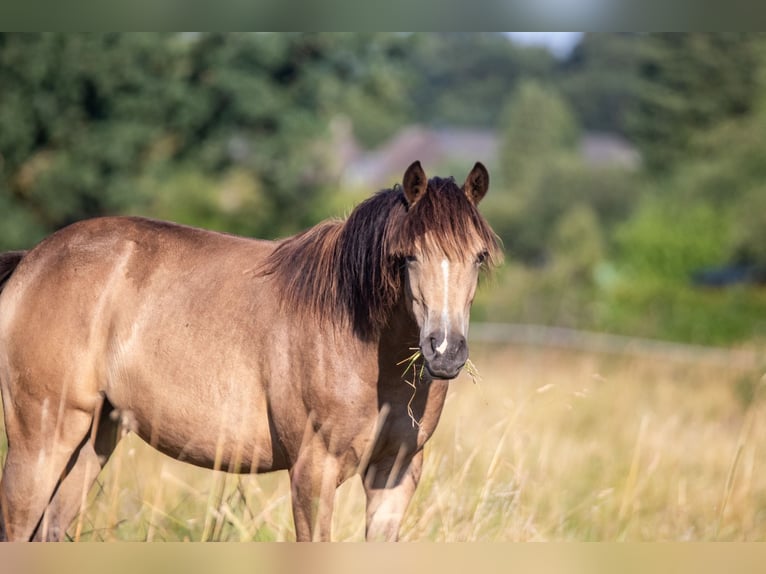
<point x="549" y="445"/>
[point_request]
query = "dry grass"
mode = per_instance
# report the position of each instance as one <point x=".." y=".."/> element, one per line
<point x="569" y="446"/>
<point x="549" y="445"/>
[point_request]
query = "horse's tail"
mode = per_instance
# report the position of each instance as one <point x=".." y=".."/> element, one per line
<point x="8" y="262"/>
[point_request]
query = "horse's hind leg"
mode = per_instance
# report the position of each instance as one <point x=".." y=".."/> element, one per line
<point x="85" y="465"/>
<point x="39" y="449"/>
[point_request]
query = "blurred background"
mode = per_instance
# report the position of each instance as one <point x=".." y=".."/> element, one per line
<point x="627" y="169"/>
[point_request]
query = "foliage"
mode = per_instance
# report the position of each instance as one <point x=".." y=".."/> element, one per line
<point x="748" y="237"/>
<point x="547" y="179"/>
<point x="668" y="239"/>
<point x="86" y="119"/>
<point x="464" y="79"/>
<point x="234" y="201"/>
<point x="60" y="162"/>
<point x="650" y="307"/>
<point x="689" y="83"/>
<point x="578" y="243"/>
<point x="537" y="124"/>
<point x="601" y="80"/>
<point x="691" y="103"/>
<point x="728" y="173"/>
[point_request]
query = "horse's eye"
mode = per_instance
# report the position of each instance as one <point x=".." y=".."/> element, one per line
<point x="482" y="257"/>
<point x="410" y="259"/>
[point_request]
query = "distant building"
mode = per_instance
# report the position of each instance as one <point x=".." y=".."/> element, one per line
<point x="383" y="166"/>
<point x="602" y="149"/>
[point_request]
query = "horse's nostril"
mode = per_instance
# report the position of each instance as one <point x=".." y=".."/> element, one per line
<point x="433" y="344"/>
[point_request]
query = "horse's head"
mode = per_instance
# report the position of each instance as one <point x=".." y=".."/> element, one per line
<point x="448" y="242"/>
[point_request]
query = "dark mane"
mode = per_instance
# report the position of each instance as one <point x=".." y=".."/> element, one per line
<point x="350" y="272"/>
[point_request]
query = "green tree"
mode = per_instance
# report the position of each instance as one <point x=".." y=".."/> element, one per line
<point x="263" y="102"/>
<point x="727" y="173"/>
<point x="547" y="178"/>
<point x="377" y="94"/>
<point x="94" y="124"/>
<point x="601" y="80"/>
<point x="536" y="125"/>
<point x="537" y="131"/>
<point x="578" y="243"/>
<point x="668" y="239"/>
<point x="748" y="237"/>
<point x="77" y="115"/>
<point x="464" y="79"/>
<point x="689" y="83"/>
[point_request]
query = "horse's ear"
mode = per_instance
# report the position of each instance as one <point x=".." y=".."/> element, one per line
<point x="477" y="183"/>
<point x="414" y="183"/>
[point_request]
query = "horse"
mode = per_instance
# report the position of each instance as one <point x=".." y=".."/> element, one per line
<point x="239" y="354"/>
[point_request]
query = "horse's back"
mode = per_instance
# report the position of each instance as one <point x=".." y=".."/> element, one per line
<point x="74" y="271"/>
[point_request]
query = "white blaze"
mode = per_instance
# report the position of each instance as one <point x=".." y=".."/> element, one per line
<point x="445" y="307"/>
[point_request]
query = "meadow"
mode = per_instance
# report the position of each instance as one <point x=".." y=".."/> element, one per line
<point x="550" y="444"/>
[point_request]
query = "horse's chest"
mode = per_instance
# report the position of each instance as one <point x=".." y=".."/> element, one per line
<point x="406" y="424"/>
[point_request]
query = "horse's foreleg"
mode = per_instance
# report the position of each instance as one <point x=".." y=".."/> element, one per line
<point x="313" y="480"/>
<point x="34" y="464"/>
<point x="389" y="486"/>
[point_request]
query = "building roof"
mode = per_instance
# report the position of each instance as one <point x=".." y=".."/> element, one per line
<point x="383" y="166"/>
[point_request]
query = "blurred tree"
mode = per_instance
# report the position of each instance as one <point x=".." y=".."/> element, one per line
<point x="536" y="125"/>
<point x="537" y="130"/>
<point x="600" y="80"/>
<point x="727" y="173"/>
<point x="659" y="249"/>
<point x="578" y="243"/>
<point x="689" y="83"/>
<point x="464" y="79"/>
<point x="263" y="102"/>
<point x="748" y="239"/>
<point x="377" y="98"/>
<point x="526" y="222"/>
<point x="76" y="115"/>
<point x="661" y="90"/>
<point x="668" y="238"/>
<point x="93" y="124"/>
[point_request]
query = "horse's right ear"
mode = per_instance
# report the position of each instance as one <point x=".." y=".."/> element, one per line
<point x="414" y="183"/>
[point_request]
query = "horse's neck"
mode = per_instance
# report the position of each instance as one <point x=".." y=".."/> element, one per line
<point x="399" y="338"/>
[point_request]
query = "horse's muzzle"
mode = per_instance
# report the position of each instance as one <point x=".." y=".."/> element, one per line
<point x="444" y="358"/>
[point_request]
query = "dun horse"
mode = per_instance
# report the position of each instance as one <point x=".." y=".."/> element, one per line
<point x="240" y="354"/>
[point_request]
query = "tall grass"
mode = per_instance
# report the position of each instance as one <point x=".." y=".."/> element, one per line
<point x="572" y="446"/>
<point x="548" y="445"/>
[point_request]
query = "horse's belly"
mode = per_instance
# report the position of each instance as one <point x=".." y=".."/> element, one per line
<point x="201" y="423"/>
<point x="201" y="441"/>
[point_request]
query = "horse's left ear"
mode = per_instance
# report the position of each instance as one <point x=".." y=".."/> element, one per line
<point x="477" y="183"/>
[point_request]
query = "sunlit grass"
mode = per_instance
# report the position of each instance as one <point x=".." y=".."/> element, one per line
<point x="572" y="446"/>
<point x="547" y="445"/>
